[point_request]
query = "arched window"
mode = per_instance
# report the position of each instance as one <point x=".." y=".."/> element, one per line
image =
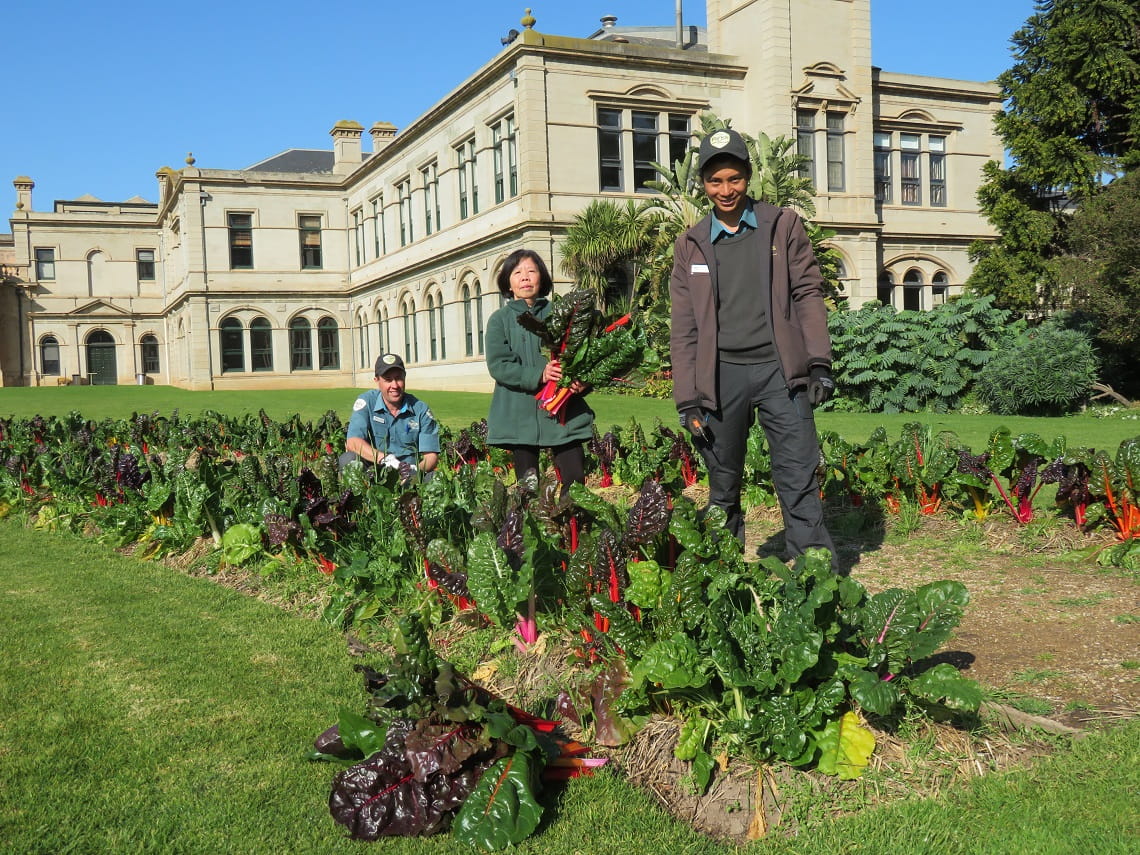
<point x="328" y="344"/>
<point x="362" y="335"/>
<point x="148" y="350"/>
<point x="384" y="334"/>
<point x="300" y="345"/>
<point x="886" y="289"/>
<point x="433" y="331"/>
<point x="232" y="345"/>
<point x="49" y="356"/>
<point x="940" y="288"/>
<point x="261" y="345"/>
<point x="411" y="339"/>
<point x="912" y="290"/>
<point x="468" y="321"/>
<point x="478" y="316"/>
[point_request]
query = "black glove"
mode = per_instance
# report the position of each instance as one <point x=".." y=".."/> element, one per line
<point x="820" y="387"/>
<point x="696" y="421"/>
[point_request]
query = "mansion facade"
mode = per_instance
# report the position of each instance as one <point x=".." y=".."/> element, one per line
<point x="299" y="270"/>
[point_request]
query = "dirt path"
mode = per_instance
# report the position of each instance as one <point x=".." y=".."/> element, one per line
<point x="1042" y="622"/>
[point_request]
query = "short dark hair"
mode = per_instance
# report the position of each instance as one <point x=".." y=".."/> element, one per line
<point x="512" y="261"/>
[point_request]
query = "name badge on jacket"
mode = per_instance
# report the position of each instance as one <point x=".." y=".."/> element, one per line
<point x="699" y="268"/>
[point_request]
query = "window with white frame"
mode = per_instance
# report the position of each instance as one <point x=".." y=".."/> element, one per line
<point x="300" y="345"/>
<point x="805" y="143"/>
<point x="411" y="338"/>
<point x="645" y="152"/>
<point x="465" y="160"/>
<point x="231" y="342"/>
<point x="680" y="137"/>
<point x="836" y="179"/>
<point x="609" y="150"/>
<point x="937" y="146"/>
<point x="148" y="353"/>
<point x="912" y="290"/>
<point x="45" y="264"/>
<point x="144" y="264"/>
<point x="882" y="167"/>
<point x="939" y="288"/>
<point x="505" y="158"/>
<point x="429" y="175"/>
<point x="910" y="172"/>
<point x="49" y="356"/>
<point x="241" y="241"/>
<point x="404" y="192"/>
<point x="309" y="226"/>
<point x="328" y="344"/>
<point x="378" y="237"/>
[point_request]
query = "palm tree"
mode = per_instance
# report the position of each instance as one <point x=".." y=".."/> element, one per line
<point x="607" y="242"/>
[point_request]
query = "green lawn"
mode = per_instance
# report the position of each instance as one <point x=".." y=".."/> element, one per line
<point x="459" y="409"/>
<point x="145" y="711"/>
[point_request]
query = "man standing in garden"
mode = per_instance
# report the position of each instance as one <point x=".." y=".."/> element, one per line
<point x="388" y="426"/>
<point x="749" y="337"/>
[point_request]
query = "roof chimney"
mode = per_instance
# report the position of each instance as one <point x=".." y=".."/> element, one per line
<point x="382" y="134"/>
<point x="23" y="185"/>
<point x="347" y="155"/>
<point x="608" y="21"/>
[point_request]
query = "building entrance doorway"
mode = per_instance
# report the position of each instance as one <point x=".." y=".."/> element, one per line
<point x="101" y="367"/>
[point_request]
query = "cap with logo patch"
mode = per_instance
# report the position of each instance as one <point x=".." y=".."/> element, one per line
<point x="725" y="142"/>
<point x="387" y="361"/>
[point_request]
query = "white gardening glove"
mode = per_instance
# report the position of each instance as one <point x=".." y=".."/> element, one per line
<point x="391" y="461"/>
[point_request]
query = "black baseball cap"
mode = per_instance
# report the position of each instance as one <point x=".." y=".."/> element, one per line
<point x="723" y="142"/>
<point x="387" y="361"/>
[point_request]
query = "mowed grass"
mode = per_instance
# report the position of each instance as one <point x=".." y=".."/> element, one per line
<point x="146" y="711"/>
<point x="459" y="409"/>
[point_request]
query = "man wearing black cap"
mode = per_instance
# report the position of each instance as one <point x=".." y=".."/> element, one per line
<point x="749" y="337"/>
<point x="389" y="426"/>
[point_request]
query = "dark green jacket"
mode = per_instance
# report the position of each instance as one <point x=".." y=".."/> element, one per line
<point x="516" y="359"/>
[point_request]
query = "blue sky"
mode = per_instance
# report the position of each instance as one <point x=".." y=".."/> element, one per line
<point x="102" y="95"/>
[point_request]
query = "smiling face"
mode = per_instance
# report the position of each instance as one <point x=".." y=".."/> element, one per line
<point x="726" y="185"/>
<point x="391" y="386"/>
<point x="526" y="281"/>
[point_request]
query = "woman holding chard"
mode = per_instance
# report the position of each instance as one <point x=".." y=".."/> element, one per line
<point x="516" y="361"/>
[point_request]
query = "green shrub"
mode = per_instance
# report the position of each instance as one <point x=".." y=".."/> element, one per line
<point x="1045" y="371"/>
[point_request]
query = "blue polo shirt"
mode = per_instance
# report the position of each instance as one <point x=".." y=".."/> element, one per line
<point x="409" y="433"/>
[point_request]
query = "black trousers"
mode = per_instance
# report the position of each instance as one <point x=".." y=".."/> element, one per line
<point x="747" y="392"/>
<point x="569" y="460"/>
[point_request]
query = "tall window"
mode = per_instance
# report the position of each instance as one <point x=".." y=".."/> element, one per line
<point x="261" y="345"/>
<point x="433" y="327"/>
<point x="241" y="241"/>
<point x="300" y="345"/>
<point x="512" y="156"/>
<point x="430" y="176"/>
<point x="232" y="345"/>
<point x="939" y="288"/>
<point x="468" y="321"/>
<point x="144" y="264"/>
<point x="805" y="143"/>
<point x="328" y="344"/>
<point x="411" y="339"/>
<point x="644" y="148"/>
<point x="384" y="332"/>
<point x="912" y="290"/>
<point x="478" y="317"/>
<point x="378" y="236"/>
<point x="45" y="264"/>
<point x="468" y="183"/>
<point x="358" y="235"/>
<point x="910" y="172"/>
<point x="885" y="291"/>
<point x="148" y="350"/>
<point x="362" y="338"/>
<point x="498" y="162"/>
<point x="309" y="226"/>
<point x="49" y="356"/>
<point x="609" y="150"/>
<point x="505" y="158"/>
<point x="883" y="167"/>
<point x="680" y="137"/>
<point x="835" y="169"/>
<point x="404" y="190"/>
<point x="937" y="170"/>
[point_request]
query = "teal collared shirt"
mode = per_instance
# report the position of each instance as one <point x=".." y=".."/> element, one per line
<point x="717" y="229"/>
<point x="411" y="432"/>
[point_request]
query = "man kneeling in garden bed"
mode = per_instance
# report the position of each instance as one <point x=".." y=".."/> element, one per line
<point x="390" y="427"/>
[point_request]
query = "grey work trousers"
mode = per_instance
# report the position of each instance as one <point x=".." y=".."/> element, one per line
<point x="748" y="391"/>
